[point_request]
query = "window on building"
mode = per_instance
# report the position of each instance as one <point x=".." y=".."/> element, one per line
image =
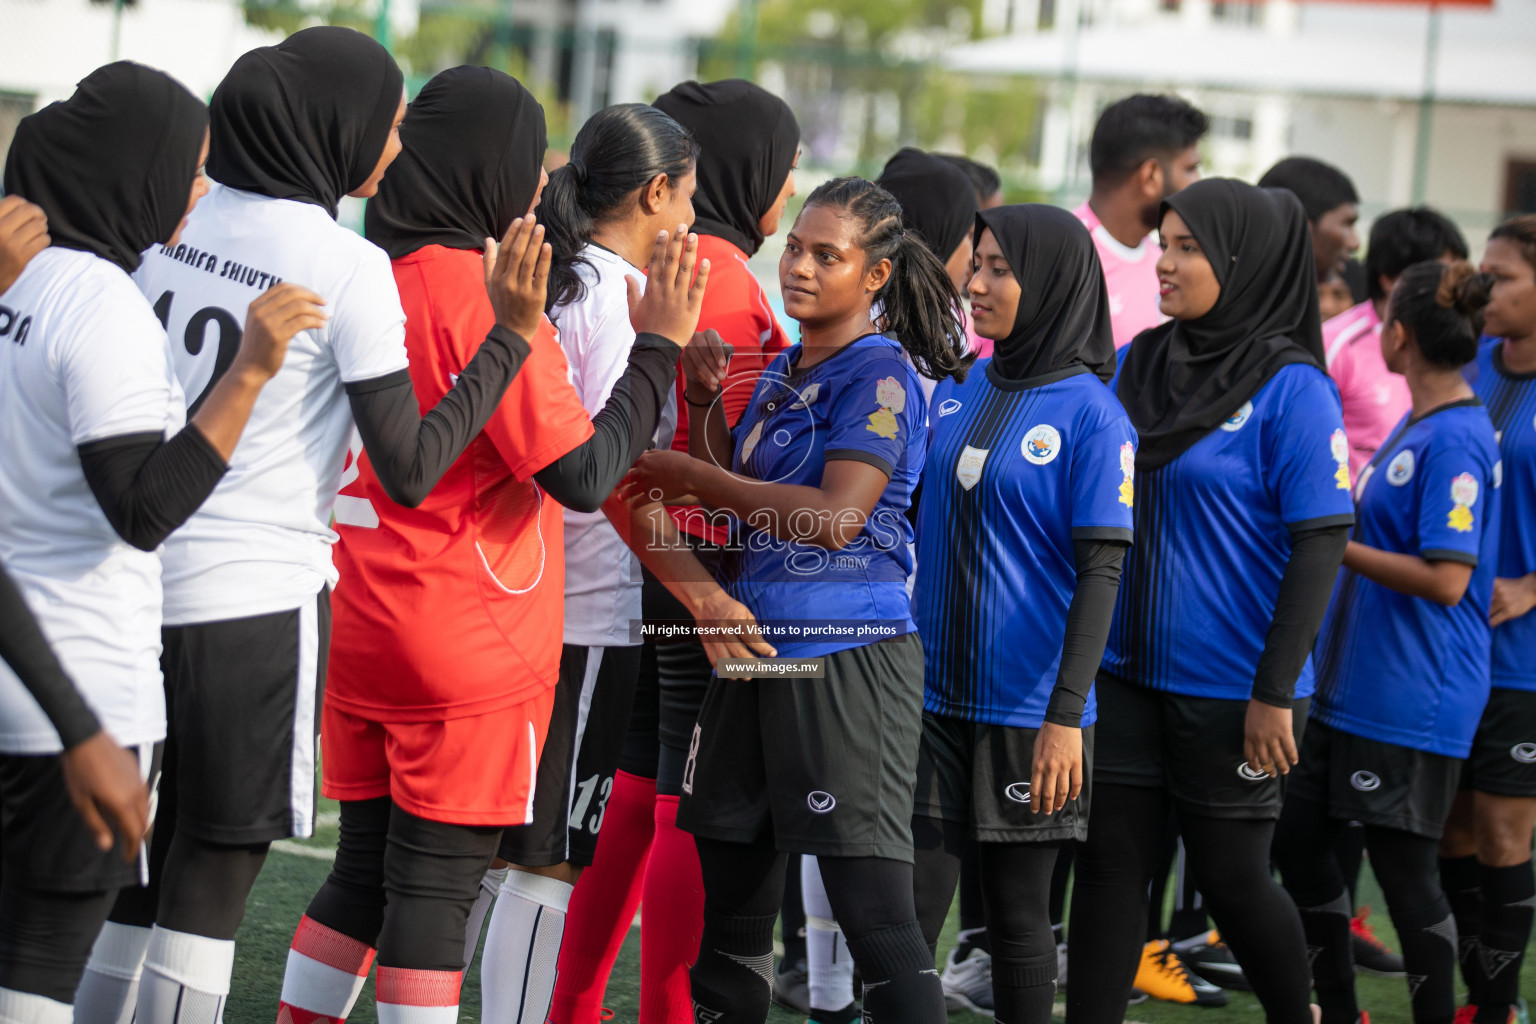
<point x="1230" y="127"/>
<point x="1169" y="6"/>
<point x="1238" y="12"/>
<point x="13" y="107"/>
<point x="1520" y="187"/>
<point x="1047" y="18"/>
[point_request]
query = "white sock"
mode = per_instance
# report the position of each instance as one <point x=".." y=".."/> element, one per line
<point x="109" y="988"/>
<point x="27" y="1008"/>
<point x="827" y="959"/>
<point x="488" y="886"/>
<point x="186" y="978"/>
<point x="522" y="949"/>
<point x="418" y="997"/>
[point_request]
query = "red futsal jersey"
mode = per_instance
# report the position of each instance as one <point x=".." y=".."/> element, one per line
<point x="455" y="608"/>
<point x="736" y="306"/>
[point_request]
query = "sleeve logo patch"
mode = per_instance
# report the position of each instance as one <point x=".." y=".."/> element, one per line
<point x="968" y="466"/>
<point x="1128" y="470"/>
<point x="1338" y="447"/>
<point x="1463" y="497"/>
<point x="1041" y="444"/>
<point x="1400" y="471"/>
<point x="1237" y="419"/>
<point x="892" y="398"/>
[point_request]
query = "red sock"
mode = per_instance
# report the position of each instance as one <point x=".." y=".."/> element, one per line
<point x="672" y="921"/>
<point x="406" y="996"/>
<point x="603" y="904"/>
<point x="325" y="973"/>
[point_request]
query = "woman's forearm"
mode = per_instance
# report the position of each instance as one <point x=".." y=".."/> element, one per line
<point x="794" y="512"/>
<point x="1441" y="581"/>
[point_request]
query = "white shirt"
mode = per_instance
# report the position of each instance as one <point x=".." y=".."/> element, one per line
<point x="262" y="542"/>
<point x="602" y="576"/>
<point x="82" y="359"/>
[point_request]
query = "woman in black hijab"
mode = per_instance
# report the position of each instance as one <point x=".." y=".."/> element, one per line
<point x="1242" y="515"/>
<point x="416" y="770"/>
<point x="938" y="202"/>
<point x="92" y="486"/>
<point x="1028" y="482"/>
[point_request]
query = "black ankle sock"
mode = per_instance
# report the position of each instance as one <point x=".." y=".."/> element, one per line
<point x="900" y="983"/>
<point x="1429" y="954"/>
<point x="1508" y="898"/>
<point x="1333" y="961"/>
<point x="732" y="980"/>
<point x="1024" y="990"/>
<point x="1462" y="882"/>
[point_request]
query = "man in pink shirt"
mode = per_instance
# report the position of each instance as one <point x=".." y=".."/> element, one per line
<point x="1144" y="149"/>
<point x="1374" y="398"/>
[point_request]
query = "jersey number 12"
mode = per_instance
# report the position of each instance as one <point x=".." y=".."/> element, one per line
<point x="195" y="334"/>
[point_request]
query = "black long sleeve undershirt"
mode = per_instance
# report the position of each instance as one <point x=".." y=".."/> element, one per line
<point x="1302" y="601"/>
<point x="26" y="651"/>
<point x="1087" y="629"/>
<point x="148" y="486"/>
<point x="582" y="478"/>
<point x="411" y="452"/>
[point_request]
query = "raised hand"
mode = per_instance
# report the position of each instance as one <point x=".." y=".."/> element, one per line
<point x="517" y="276"/>
<point x="672" y="294"/>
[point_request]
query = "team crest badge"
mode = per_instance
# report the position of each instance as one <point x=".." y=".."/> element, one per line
<point x="1463" y="497"/>
<point x="1338" y="447"/>
<point x="1041" y="444"/>
<point x="1128" y="470"/>
<point x="892" y="398"/>
<point x="968" y="466"/>
<point x="1400" y="471"/>
<point x="750" y="444"/>
<point x="1237" y="419"/>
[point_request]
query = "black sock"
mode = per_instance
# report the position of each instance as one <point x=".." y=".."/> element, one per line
<point x="1509" y="895"/>
<point x="1462" y="883"/>
<point x="847" y="1015"/>
<point x="732" y="980"/>
<point x="1024" y="990"/>
<point x="1428" y="936"/>
<point x="1333" y="962"/>
<point x="900" y="982"/>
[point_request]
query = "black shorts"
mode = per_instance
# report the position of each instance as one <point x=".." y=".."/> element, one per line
<point x="1503" y="758"/>
<point x="242" y="703"/>
<point x="44" y="844"/>
<point x="823" y="766"/>
<point x="581" y="753"/>
<point x="1375" y="783"/>
<point x="979" y="774"/>
<point x="1190" y="746"/>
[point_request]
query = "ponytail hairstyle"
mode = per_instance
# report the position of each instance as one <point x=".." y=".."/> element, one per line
<point x="919" y="306"/>
<point x="618" y="150"/>
<point x="1442" y="305"/>
<point x="1521" y="233"/>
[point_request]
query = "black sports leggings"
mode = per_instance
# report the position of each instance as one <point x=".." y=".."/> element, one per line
<point x="1407" y="866"/>
<point x="1016" y="890"/>
<point x="872" y="900"/>
<point x="404" y="884"/>
<point x="1230" y="860"/>
<point x="46" y="938"/>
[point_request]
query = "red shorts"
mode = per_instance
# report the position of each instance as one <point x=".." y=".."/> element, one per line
<point x="478" y="770"/>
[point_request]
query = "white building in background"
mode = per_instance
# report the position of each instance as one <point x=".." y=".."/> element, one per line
<point x="1339" y="81"/>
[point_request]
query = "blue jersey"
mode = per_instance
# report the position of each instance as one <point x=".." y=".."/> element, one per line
<point x="1408" y="670"/>
<point x="1016" y="471"/>
<point x="863" y="403"/>
<point x="1511" y="402"/>
<point x="1213" y="535"/>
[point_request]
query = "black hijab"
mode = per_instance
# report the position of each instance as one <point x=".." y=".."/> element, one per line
<point x="473" y="147"/>
<point x="1063" y="314"/>
<point x="1182" y="379"/>
<point x="936" y="197"/>
<point x="112" y="166"/>
<point x="306" y="119"/>
<point x="748" y="139"/>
